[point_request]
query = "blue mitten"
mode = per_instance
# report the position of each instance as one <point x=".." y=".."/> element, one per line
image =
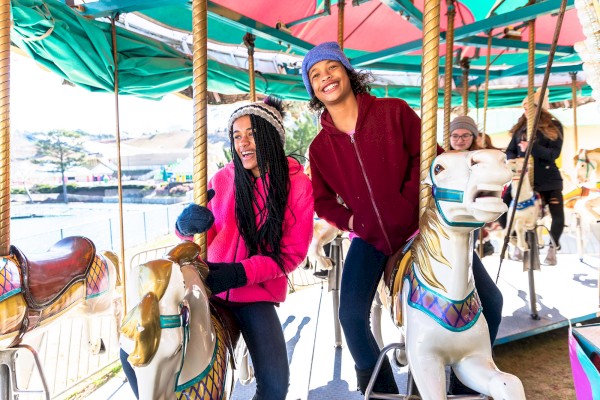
<point x="224" y="276"/>
<point x="195" y="219"/>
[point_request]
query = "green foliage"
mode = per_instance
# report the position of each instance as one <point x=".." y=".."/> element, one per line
<point x="60" y="149"/>
<point x="18" y="190"/>
<point x="299" y="137"/>
<point x="45" y="188"/>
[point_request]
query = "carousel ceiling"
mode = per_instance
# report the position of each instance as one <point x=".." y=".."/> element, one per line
<point x="154" y="42"/>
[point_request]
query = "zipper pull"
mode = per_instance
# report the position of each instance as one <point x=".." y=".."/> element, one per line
<point x="352" y="137"/>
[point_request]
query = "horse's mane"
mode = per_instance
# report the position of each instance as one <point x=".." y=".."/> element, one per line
<point x="427" y="244"/>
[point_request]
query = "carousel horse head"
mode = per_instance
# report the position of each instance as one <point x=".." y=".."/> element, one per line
<point x="169" y="334"/>
<point x="467" y="187"/>
<point x="587" y="166"/>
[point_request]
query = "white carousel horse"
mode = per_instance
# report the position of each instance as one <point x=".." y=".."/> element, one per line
<point x="323" y="234"/>
<point x="588" y="176"/>
<point x="529" y="206"/>
<point x="432" y="293"/>
<point x="70" y="280"/>
<point x="176" y="346"/>
<point x="38" y="289"/>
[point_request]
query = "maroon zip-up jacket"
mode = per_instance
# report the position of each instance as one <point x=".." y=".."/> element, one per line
<point x="375" y="171"/>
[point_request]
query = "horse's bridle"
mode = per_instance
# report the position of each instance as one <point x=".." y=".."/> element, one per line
<point x="451" y="196"/>
<point x="589" y="166"/>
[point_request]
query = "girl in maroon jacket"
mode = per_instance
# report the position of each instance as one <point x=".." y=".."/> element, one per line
<point x="368" y="154"/>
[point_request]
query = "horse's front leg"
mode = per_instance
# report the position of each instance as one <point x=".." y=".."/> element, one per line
<point x="481" y="374"/>
<point x="520" y="230"/>
<point x="428" y="371"/>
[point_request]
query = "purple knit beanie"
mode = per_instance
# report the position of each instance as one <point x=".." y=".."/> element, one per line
<point x="324" y="51"/>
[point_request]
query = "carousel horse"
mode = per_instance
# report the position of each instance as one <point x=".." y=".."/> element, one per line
<point x="38" y="289"/>
<point x="529" y="207"/>
<point x="323" y="234"/>
<point x="179" y="346"/>
<point x="588" y="176"/>
<point x="430" y="291"/>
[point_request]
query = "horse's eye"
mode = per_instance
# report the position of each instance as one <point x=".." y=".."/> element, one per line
<point x="438" y="169"/>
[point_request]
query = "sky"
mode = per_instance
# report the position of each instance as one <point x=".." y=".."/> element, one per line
<point x="40" y="102"/>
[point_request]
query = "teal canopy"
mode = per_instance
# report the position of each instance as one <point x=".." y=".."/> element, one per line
<point x="383" y="37"/>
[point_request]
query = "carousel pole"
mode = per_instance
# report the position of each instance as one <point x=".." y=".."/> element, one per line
<point x="200" y="60"/>
<point x="429" y="96"/>
<point x="341" y="6"/>
<point x="486" y="86"/>
<point x="574" y="101"/>
<point x="465" y="64"/>
<point x="334" y="277"/>
<point x="249" y="42"/>
<point x="113" y="32"/>
<point x="5" y="127"/>
<point x="451" y="13"/>
<point x="531" y="91"/>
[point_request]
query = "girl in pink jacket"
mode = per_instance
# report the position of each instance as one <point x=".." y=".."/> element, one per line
<point x="263" y="219"/>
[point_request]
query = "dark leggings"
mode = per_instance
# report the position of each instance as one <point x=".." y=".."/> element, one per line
<point x="363" y="269"/>
<point x="263" y="334"/>
<point x="554" y="200"/>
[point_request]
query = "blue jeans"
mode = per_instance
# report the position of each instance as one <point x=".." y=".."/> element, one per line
<point x="363" y="269"/>
<point x="263" y="334"/>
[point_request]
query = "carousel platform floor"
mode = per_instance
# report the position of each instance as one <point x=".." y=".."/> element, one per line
<point x="322" y="371"/>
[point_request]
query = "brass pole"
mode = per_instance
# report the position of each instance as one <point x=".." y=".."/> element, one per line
<point x="574" y="96"/>
<point x="249" y="42"/>
<point x="429" y="95"/>
<point x="448" y="74"/>
<point x="5" y="127"/>
<point x="530" y="93"/>
<point x="200" y="60"/>
<point x="119" y="169"/>
<point x="465" y="72"/>
<point x="341" y="6"/>
<point x="486" y="86"/>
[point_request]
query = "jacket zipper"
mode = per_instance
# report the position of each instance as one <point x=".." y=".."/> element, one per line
<point x="235" y="258"/>
<point x="362" y="169"/>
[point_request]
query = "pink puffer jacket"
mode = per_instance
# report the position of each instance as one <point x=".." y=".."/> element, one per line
<point x="266" y="281"/>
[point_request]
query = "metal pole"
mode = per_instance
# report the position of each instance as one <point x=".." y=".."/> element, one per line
<point x="119" y="169"/>
<point x="249" y="42"/>
<point x="574" y="97"/>
<point x="429" y="95"/>
<point x="5" y="128"/>
<point x="486" y="86"/>
<point x="465" y="64"/>
<point x="341" y="6"/>
<point x="448" y="74"/>
<point x="334" y="279"/>
<point x="200" y="60"/>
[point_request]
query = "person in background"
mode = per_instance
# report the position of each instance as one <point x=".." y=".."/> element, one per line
<point x="263" y="222"/>
<point x="368" y="154"/>
<point x="547" y="180"/>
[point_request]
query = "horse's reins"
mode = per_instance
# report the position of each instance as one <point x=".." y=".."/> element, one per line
<point x="536" y="123"/>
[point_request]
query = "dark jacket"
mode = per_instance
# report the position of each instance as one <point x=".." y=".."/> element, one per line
<point x="375" y="171"/>
<point x="546" y="175"/>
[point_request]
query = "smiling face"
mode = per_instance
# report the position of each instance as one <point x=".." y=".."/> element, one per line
<point x="243" y="142"/>
<point x="330" y="82"/>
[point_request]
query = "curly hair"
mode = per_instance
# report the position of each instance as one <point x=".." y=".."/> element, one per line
<point x="359" y="81"/>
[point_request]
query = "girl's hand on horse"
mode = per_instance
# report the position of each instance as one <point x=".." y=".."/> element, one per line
<point x="224" y="276"/>
<point x="523" y="145"/>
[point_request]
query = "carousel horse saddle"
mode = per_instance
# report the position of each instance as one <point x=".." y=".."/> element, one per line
<point x="47" y="275"/>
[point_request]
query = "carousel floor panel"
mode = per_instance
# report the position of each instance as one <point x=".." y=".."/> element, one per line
<point x="566" y="291"/>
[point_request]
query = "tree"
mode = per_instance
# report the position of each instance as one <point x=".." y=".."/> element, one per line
<point x="61" y="149"/>
<point x="298" y="138"/>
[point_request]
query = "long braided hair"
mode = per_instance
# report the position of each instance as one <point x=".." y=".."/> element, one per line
<point x="265" y="236"/>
